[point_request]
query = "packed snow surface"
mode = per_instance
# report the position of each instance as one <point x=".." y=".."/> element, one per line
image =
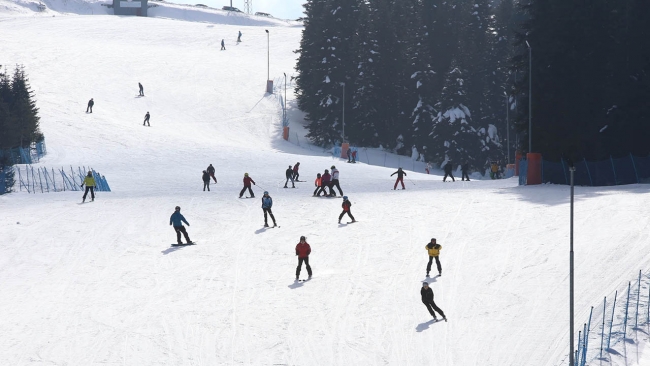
<point x="99" y="283"/>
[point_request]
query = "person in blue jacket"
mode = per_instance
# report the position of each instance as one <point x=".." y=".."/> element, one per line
<point x="267" y="202"/>
<point x="177" y="220"/>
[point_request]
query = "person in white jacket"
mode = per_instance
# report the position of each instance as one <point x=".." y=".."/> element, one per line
<point x="335" y="181"/>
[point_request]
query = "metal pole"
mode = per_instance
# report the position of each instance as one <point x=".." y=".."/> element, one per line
<point x="602" y="335"/>
<point x="343" y="112"/>
<point x="508" y="125"/>
<point x="638" y="295"/>
<point x="268" y="55"/>
<point x="285" y="99"/>
<point x="530" y="97"/>
<point x="611" y="323"/>
<point x="571" y="330"/>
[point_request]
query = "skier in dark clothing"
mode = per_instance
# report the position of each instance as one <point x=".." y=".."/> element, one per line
<point x="146" y="119"/>
<point x="335" y="182"/>
<point x="295" y="171"/>
<point x="447" y="169"/>
<point x="349" y="154"/>
<point x="267" y="203"/>
<point x="211" y="171"/>
<point x="427" y="300"/>
<point x="247" y="184"/>
<point x="91" y="103"/>
<point x="400" y="178"/>
<point x="206" y="181"/>
<point x="325" y="183"/>
<point x="302" y="251"/>
<point x="141" y="90"/>
<point x="318" y="185"/>
<point x="464" y="169"/>
<point x="289" y="174"/>
<point x="433" y="249"/>
<point x="346" y="209"/>
<point x="223" y="45"/>
<point x="239" y="37"/>
<point x="177" y="220"/>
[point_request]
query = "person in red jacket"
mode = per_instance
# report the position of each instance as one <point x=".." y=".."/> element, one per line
<point x="400" y="178"/>
<point x="247" y="184"/>
<point x="346" y="209"/>
<point x="295" y="172"/>
<point x="302" y="251"/>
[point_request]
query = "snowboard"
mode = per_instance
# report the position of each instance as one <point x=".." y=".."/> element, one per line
<point x="183" y="245"/>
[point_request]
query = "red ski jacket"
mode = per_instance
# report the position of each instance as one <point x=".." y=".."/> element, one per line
<point x="346" y="205"/>
<point x="303" y="250"/>
<point x="247" y="181"/>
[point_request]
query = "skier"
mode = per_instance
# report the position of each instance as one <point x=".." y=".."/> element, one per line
<point x="211" y="171"/>
<point x="247" y="184"/>
<point x="295" y="171"/>
<point x="349" y="154"/>
<point x="239" y="37"/>
<point x="89" y="182"/>
<point x="346" y="209"/>
<point x="494" y="168"/>
<point x="318" y="185"/>
<point x="464" y="168"/>
<point x="335" y="182"/>
<point x="267" y="202"/>
<point x="289" y="174"/>
<point x="91" y="103"/>
<point x="400" y="178"/>
<point x="433" y="249"/>
<point x="206" y="180"/>
<point x="146" y="119"/>
<point x="141" y="90"/>
<point x="428" y="168"/>
<point x="447" y="169"/>
<point x="223" y="45"/>
<point x="427" y="300"/>
<point x="177" y="220"/>
<point x="325" y="183"/>
<point x="302" y="251"/>
<point x="354" y="156"/>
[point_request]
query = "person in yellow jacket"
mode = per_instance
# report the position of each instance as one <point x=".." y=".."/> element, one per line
<point x="433" y="249"/>
<point x="89" y="182"/>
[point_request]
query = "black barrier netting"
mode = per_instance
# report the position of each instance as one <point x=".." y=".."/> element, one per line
<point x="581" y="176"/>
<point x="553" y="173"/>
<point x="625" y="172"/>
<point x="602" y="173"/>
<point x="643" y="169"/>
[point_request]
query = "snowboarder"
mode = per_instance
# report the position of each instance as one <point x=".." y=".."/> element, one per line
<point x="427" y="300"/>
<point x="400" y="178"/>
<point x="318" y="185"/>
<point x="325" y="183"/>
<point x="346" y="209"/>
<point x="295" y="171"/>
<point x="89" y="182"/>
<point x="302" y="251"/>
<point x="247" y="184"/>
<point x="146" y="119"/>
<point x="211" y="171"/>
<point x="447" y="169"/>
<point x="289" y="175"/>
<point x="349" y="154"/>
<point x="428" y="168"/>
<point x="223" y="45"/>
<point x="239" y="37"/>
<point x="177" y="220"/>
<point x="335" y="182"/>
<point x="141" y="90"/>
<point x="464" y="168"/>
<point x="267" y="203"/>
<point x="206" y="180"/>
<point x="433" y="249"/>
<point x="91" y="103"/>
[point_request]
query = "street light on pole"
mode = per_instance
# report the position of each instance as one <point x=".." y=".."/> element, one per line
<point x="507" y="124"/>
<point x="284" y="120"/>
<point x="530" y="97"/>
<point x="269" y="82"/>
<point x="343" y="85"/>
<point x="572" y="169"/>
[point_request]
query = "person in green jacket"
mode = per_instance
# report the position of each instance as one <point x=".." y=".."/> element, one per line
<point x="89" y="182"/>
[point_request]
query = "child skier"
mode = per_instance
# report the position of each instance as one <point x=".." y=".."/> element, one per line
<point x="247" y="184"/>
<point x="302" y="251"/>
<point x="267" y="203"/>
<point x="318" y="185"/>
<point x="177" y="220"/>
<point x="289" y="174"/>
<point x="400" y="178"/>
<point x="433" y="249"/>
<point x="346" y="209"/>
<point x="325" y="182"/>
<point x="206" y="180"/>
<point x="89" y="182"/>
<point x="427" y="300"/>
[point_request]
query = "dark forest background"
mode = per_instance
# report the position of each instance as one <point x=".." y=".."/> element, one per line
<point x="443" y="76"/>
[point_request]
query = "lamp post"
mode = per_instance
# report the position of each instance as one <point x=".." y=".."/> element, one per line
<point x="343" y="85"/>
<point x="530" y="97"/>
<point x="507" y="124"/>
<point x="284" y="120"/>
<point x="572" y="169"/>
<point x="269" y="82"/>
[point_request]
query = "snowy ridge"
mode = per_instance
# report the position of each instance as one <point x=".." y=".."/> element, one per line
<point x="99" y="283"/>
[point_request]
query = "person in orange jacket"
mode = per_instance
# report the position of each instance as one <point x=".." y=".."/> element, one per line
<point x="433" y="249"/>
<point x="302" y="251"/>
<point x="346" y="209"/>
<point x="317" y="184"/>
<point x="247" y="184"/>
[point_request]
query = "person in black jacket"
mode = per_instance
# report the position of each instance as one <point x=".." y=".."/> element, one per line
<point x="141" y="90"/>
<point x="211" y="171"/>
<point x="146" y="119"/>
<point x="464" y="169"/>
<point x="289" y="174"/>
<point x="400" y="178"/>
<point x="206" y="180"/>
<point x="223" y="45"/>
<point x="448" y="168"/>
<point x="91" y="103"/>
<point x="427" y="300"/>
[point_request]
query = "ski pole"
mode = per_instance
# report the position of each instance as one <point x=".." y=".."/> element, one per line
<point x="410" y="180"/>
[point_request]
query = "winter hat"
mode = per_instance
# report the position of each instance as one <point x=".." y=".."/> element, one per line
<point x="345" y="198"/>
<point x="425" y="283"/>
<point x="333" y="167"/>
<point x="302" y="238"/>
<point x="178" y="208"/>
<point x="289" y="166"/>
<point x="245" y="174"/>
<point x="266" y="192"/>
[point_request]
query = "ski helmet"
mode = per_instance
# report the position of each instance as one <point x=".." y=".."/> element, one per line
<point x="289" y="166"/>
<point x="302" y="238"/>
<point x="345" y="198"/>
<point x="333" y="167"/>
<point x="245" y="174"/>
<point x="266" y="192"/>
<point x="425" y="283"/>
<point x="178" y="208"/>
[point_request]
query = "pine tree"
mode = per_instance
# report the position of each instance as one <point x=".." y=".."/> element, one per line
<point x="25" y="110"/>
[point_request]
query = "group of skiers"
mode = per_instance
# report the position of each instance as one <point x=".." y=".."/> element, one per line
<point x="292" y="175"/>
<point x="329" y="181"/>
<point x="91" y="103"/>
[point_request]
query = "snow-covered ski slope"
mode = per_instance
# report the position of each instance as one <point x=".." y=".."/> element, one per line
<point x="99" y="283"/>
